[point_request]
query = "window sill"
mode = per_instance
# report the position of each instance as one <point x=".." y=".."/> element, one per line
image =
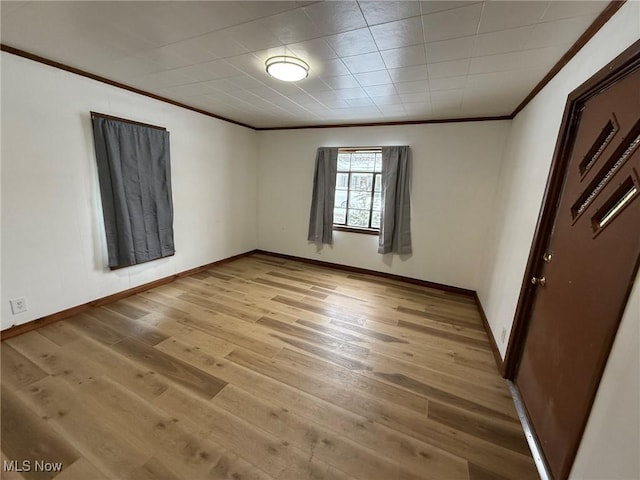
<point x="366" y="231"/>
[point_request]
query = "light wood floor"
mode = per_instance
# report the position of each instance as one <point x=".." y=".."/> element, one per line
<point x="264" y="368"/>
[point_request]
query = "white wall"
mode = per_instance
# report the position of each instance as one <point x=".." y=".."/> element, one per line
<point x="525" y="169"/>
<point x="455" y="168"/>
<point x="609" y="448"/>
<point x="53" y="246"/>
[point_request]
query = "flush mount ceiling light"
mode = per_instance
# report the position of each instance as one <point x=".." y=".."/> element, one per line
<point x="286" y="68"/>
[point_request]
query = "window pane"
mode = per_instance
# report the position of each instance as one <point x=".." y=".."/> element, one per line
<point x="340" y="215"/>
<point x="375" y="220"/>
<point x="361" y="181"/>
<point x="341" y="199"/>
<point x="378" y="183"/>
<point x="363" y="162"/>
<point x="344" y="161"/>
<point x="378" y="164"/>
<point x="360" y="200"/>
<point x="377" y="201"/>
<point x="342" y="180"/>
<point x="358" y="218"/>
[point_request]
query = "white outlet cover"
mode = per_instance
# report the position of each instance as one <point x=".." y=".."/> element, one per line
<point x="18" y="305"/>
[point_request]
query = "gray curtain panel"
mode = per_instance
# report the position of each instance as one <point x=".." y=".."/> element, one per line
<point x="395" y="224"/>
<point x="324" y="191"/>
<point x="135" y="185"/>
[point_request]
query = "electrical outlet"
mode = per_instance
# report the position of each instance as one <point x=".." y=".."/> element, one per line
<point x="504" y="334"/>
<point x="18" y="305"/>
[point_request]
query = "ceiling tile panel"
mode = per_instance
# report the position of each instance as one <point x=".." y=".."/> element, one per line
<point x="558" y="32"/>
<point x="310" y="50"/>
<point x="404" y="57"/>
<point x="387" y="100"/>
<point x="502" y="41"/>
<point x="292" y="27"/>
<point x="566" y="9"/>
<point x="447" y="99"/>
<point x="448" y="69"/>
<point x="255" y="35"/>
<point x="447" y="83"/>
<point x="209" y="71"/>
<point x="409" y="74"/>
<point x="312" y="85"/>
<point x="221" y="44"/>
<point x="355" y="42"/>
<point x="401" y="33"/>
<point x="341" y="81"/>
<point x="360" y="102"/>
<point x="336" y="17"/>
<point x="380" y="90"/>
<point x="430" y="6"/>
<point x="421" y="86"/>
<point x="460" y="22"/>
<point x="368" y="79"/>
<point x="503" y="15"/>
<point x="330" y="68"/>
<point x="447" y="50"/>
<point x="368" y="62"/>
<point x="376" y="12"/>
<point x="349" y="93"/>
<point x="377" y="61"/>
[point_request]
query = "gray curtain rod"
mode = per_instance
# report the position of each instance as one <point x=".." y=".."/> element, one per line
<point x="125" y="120"/>
<point x="351" y="149"/>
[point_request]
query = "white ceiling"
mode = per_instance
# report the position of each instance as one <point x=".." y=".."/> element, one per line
<point x="371" y="61"/>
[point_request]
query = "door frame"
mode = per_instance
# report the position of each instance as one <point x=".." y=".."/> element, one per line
<point x="624" y="64"/>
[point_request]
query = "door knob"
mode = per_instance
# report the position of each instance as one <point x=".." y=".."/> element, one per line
<point x="539" y="281"/>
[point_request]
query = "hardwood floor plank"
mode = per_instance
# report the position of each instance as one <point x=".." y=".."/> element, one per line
<point x="482" y="344"/>
<point x="420" y="427"/>
<point x="312" y="438"/>
<point x="312" y="337"/>
<point x="278" y="458"/>
<point x="289" y="288"/>
<point x="26" y="437"/>
<point x="17" y="370"/>
<point x="182" y="373"/>
<point x="369" y="332"/>
<point x="327" y="312"/>
<point x="81" y="469"/>
<point x="505" y="433"/>
<point x="75" y="418"/>
<point x="226" y="331"/>
<point x="441" y="395"/>
<point x="154" y="469"/>
<point x="396" y="445"/>
<point x="127" y="326"/>
<point x="302" y="279"/>
<point x="268" y="368"/>
<point x="91" y="327"/>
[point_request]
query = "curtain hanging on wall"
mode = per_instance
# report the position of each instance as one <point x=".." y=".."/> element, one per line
<point x="395" y="224"/>
<point x="324" y="190"/>
<point x="135" y="185"/>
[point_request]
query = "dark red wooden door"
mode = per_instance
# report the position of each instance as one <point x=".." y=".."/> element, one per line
<point x="591" y="261"/>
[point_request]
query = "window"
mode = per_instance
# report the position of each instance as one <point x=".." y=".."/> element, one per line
<point x="358" y="201"/>
<point x="134" y="173"/>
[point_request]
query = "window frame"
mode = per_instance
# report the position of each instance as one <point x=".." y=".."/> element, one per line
<point x="343" y="227"/>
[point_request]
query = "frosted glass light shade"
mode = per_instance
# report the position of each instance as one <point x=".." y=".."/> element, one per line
<point x="287" y="69"/>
